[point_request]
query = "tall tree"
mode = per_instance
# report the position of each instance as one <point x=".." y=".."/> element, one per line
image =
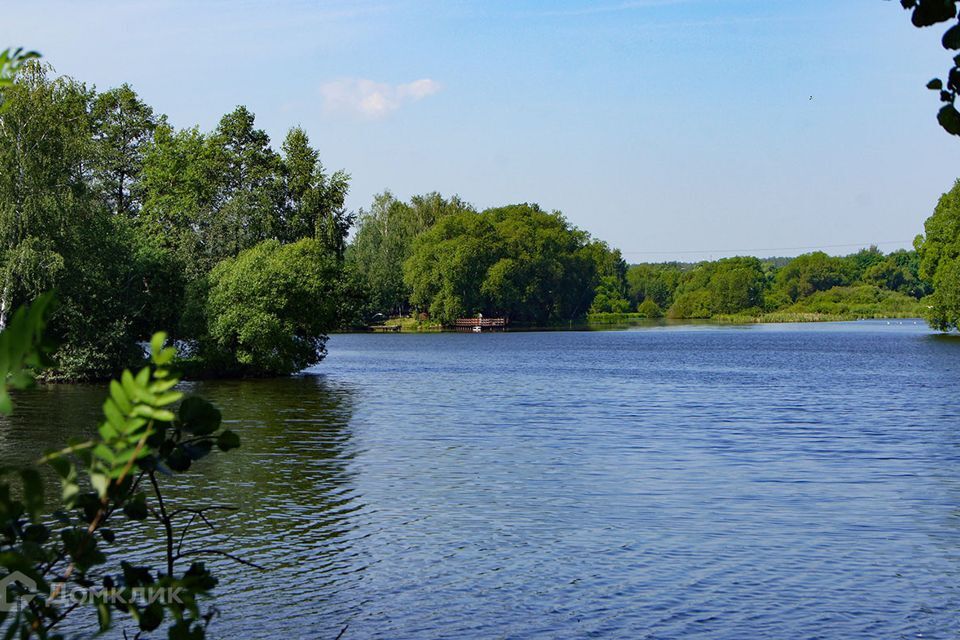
<point x="384" y="240"/>
<point x="179" y="187"/>
<point x="123" y="125"/>
<point x="518" y="261"/>
<point x="248" y="190"/>
<point x="314" y="203"/>
<point x="939" y="250"/>
<point x="44" y="199"/>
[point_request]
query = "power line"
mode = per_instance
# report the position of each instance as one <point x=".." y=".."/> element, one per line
<point x="822" y="246"/>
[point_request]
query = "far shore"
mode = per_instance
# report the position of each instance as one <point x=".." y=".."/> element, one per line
<point x="620" y="321"/>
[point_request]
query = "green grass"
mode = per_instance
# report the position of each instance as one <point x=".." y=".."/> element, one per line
<point x="413" y="325"/>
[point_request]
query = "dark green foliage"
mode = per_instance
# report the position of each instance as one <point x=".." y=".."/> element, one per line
<point x="926" y="13"/>
<point x="268" y="310"/>
<point x="124" y="217"/>
<point x="122" y="126"/>
<point x="610" y="296"/>
<point x="813" y="272"/>
<point x="656" y="282"/>
<point x="861" y="301"/>
<point x="517" y="262"/>
<point x="939" y="251"/>
<point x="728" y="286"/>
<point x="649" y="309"/>
<point x="55" y="233"/>
<point x="899" y="271"/>
<point x="313" y="201"/>
<point x="384" y="241"/>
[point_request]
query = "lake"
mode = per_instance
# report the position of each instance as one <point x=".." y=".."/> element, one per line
<point x="767" y="481"/>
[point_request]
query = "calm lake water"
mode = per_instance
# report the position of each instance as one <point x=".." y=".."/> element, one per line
<point x="779" y="481"/>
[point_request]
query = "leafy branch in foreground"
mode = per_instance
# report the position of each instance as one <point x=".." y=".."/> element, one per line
<point x="926" y="13"/>
<point x="10" y="62"/>
<point x="49" y="568"/>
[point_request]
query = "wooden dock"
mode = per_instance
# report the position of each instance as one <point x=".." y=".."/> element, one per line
<point x="478" y="325"/>
<point x="384" y="328"/>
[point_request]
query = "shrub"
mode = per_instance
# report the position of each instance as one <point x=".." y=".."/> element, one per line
<point x="649" y="309"/>
<point x="269" y="309"/>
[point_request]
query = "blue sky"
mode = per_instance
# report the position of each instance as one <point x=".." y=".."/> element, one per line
<point x="670" y="128"/>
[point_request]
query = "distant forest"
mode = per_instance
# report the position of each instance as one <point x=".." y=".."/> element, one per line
<point x="247" y="255"/>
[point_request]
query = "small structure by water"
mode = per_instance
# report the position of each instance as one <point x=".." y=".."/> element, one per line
<point x="480" y="324"/>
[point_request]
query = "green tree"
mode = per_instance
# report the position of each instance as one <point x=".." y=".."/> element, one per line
<point x="812" y="272"/>
<point x="314" y="201"/>
<point x="649" y="309"/>
<point x="516" y="261"/>
<point x="939" y="250"/>
<point x="656" y="282"/>
<point x="863" y="260"/>
<point x="449" y="263"/>
<point x="248" y="190"/>
<point x="384" y="241"/>
<point x="727" y="286"/>
<point x="899" y="271"/>
<point x="123" y="125"/>
<point x="269" y="309"/>
<point x="56" y="233"/>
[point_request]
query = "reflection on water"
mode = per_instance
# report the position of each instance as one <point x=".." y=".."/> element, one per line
<point x="677" y="482"/>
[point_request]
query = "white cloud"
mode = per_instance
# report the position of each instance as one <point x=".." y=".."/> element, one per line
<point x="374" y="99"/>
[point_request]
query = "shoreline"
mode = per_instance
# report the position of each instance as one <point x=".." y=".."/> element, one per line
<point x="632" y="320"/>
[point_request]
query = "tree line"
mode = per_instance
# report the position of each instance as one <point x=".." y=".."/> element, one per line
<point x="136" y="224"/>
<point x="249" y="257"/>
<point x="865" y="283"/>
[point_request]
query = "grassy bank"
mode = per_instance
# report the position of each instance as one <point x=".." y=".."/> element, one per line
<point x="413" y="325"/>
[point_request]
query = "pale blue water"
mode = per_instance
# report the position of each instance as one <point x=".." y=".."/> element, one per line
<point x="779" y="481"/>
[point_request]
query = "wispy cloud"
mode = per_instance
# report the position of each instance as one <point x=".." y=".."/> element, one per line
<point x="374" y="99"/>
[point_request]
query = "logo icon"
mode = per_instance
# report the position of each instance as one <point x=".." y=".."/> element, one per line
<point x="27" y="591"/>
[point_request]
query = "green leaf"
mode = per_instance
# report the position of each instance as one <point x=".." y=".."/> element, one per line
<point x="167" y="398"/>
<point x="228" y="440"/>
<point x="129" y="386"/>
<point x="107" y="431"/>
<point x="160" y="386"/>
<point x="160" y="415"/>
<point x="935" y="85"/>
<point x="105" y="453"/>
<point x="100" y="483"/>
<point x="120" y="397"/>
<point x="156" y="342"/>
<point x="151" y="616"/>
<point x="951" y="39"/>
<point x="82" y="548"/>
<point x="103" y="614"/>
<point x="136" y="507"/>
<point x="949" y="119"/>
<point x="199" y="417"/>
<point x="61" y="465"/>
<point x="178" y="460"/>
<point x="114" y="417"/>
